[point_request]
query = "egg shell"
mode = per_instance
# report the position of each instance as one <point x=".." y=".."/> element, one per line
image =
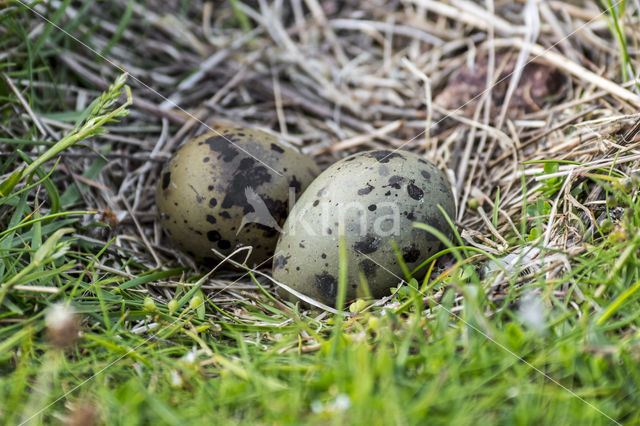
<point x="377" y="195"/>
<point x="230" y="187"/>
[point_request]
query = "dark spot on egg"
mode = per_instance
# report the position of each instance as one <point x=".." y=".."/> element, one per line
<point x="368" y="267"/>
<point x="316" y="202"/>
<point x="280" y="261"/>
<point x="211" y="219"/>
<point x="324" y="256"/>
<point x="212" y="202"/>
<point x="425" y="174"/>
<point x="278" y="210"/>
<point x="415" y="192"/>
<point x="247" y="175"/>
<point x="225" y="215"/>
<point x="270" y="233"/>
<point x="295" y="183"/>
<point x="367" y="245"/>
<point x="441" y="223"/>
<point x="387" y="193"/>
<point x="213" y="236"/>
<point x="367" y="190"/>
<point x="206" y="159"/>
<point x="396" y="181"/>
<point x="227" y="152"/>
<point x="372" y="207"/>
<point x="166" y="179"/>
<point x="210" y="187"/>
<point x="383" y="156"/>
<point x="410" y="254"/>
<point x="329" y="231"/>
<point x="276" y="148"/>
<point x="322" y="192"/>
<point x="327" y="285"/>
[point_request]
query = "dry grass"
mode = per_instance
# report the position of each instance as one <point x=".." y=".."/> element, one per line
<point x="349" y="76"/>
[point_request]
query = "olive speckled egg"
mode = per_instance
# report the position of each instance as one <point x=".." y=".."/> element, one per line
<point x="230" y="187"/>
<point x="376" y="195"/>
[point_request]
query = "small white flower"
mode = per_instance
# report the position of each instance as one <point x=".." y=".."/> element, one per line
<point x="393" y="305"/>
<point x="472" y="290"/>
<point x="513" y="392"/>
<point x="317" y="407"/>
<point x="190" y="357"/>
<point x="532" y="312"/>
<point x="176" y="379"/>
<point x="62" y="325"/>
<point x="58" y="316"/>
<point x="359" y="336"/>
<point x="342" y="402"/>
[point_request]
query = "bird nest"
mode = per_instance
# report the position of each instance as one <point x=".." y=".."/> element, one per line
<point x="522" y="107"/>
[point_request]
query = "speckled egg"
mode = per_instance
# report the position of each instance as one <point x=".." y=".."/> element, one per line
<point x="377" y="196"/>
<point x="228" y="188"/>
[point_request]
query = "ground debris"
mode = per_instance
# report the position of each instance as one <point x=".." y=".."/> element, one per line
<point x="538" y="83"/>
